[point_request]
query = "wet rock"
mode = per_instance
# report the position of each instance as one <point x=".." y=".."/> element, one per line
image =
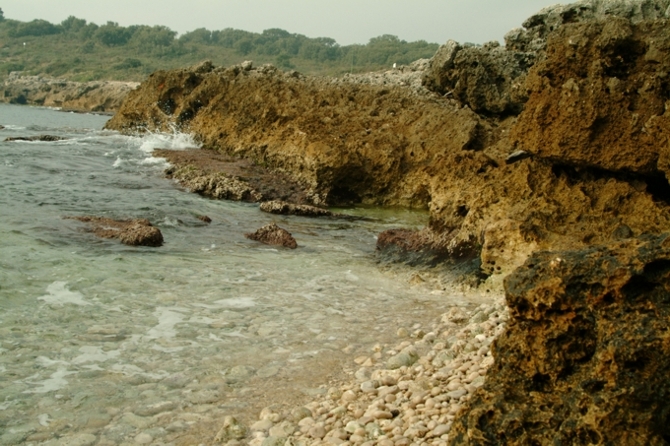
<point x="284" y="208"/>
<point x="231" y="430"/>
<point x="272" y="234"/>
<point x="204" y="218"/>
<point x="137" y="232"/>
<point x="43" y="138"/>
<point x="582" y="359"/>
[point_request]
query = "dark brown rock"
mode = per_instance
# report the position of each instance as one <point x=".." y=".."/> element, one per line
<point x="136" y="232"/>
<point x="204" y="218"/>
<point x="586" y="356"/>
<point x="272" y="234"/>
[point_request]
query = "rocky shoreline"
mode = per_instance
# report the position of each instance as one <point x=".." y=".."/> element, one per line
<point x="97" y="96"/>
<point x="544" y="165"/>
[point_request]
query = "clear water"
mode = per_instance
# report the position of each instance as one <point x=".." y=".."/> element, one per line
<point x="95" y="335"/>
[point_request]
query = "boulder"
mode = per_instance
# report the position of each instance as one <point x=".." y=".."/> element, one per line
<point x="585" y="358"/>
<point x="136" y="232"/>
<point x="271" y="234"/>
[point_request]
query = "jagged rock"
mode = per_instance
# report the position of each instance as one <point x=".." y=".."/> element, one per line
<point x="533" y="36"/>
<point x="96" y="96"/>
<point x="585" y="357"/>
<point x="489" y="78"/>
<point x="44" y="138"/>
<point x="601" y="99"/>
<point x="272" y="234"/>
<point x="303" y="210"/>
<point x="136" y="232"/>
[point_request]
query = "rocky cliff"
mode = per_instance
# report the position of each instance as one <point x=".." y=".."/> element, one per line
<point x="558" y="142"/>
<point x="576" y="156"/>
<point x="98" y="96"/>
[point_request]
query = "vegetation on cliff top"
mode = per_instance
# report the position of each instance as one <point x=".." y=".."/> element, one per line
<point x="82" y="51"/>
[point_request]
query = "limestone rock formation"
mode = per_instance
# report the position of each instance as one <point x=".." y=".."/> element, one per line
<point x="608" y="82"/>
<point x="271" y="234"/>
<point x="501" y="196"/>
<point x="489" y="79"/>
<point x="96" y="96"/>
<point x="136" y="232"/>
<point x="586" y="354"/>
<point x="343" y="142"/>
<point x="533" y="36"/>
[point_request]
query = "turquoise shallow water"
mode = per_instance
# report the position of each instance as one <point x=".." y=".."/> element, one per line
<point x="93" y="333"/>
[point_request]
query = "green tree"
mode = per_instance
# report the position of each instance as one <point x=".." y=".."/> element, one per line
<point x="2" y="15"/>
<point x="35" y="28"/>
<point x="111" y="34"/>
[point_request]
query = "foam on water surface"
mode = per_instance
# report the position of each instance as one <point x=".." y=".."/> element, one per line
<point x="59" y="294"/>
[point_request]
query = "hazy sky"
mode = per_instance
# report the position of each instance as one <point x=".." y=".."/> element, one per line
<point x="346" y="21"/>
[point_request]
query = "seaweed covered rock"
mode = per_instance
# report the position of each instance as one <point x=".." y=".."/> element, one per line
<point x="586" y="355"/>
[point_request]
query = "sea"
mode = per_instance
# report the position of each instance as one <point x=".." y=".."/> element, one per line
<point x="102" y="343"/>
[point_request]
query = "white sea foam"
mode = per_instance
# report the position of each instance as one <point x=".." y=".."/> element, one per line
<point x="237" y="302"/>
<point x="55" y="382"/>
<point x="118" y="162"/>
<point x="173" y="141"/>
<point x="43" y="419"/>
<point x="60" y="295"/>
<point x="94" y="354"/>
<point x="167" y="319"/>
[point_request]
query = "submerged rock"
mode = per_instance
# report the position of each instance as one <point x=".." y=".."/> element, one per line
<point x="272" y="234"/>
<point x="44" y="138"/>
<point x="136" y="232"/>
<point x="586" y="357"/>
<point x="284" y="208"/>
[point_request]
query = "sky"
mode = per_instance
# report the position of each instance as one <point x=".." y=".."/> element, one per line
<point x="346" y="21"/>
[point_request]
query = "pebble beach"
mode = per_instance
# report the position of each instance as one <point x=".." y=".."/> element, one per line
<point x="398" y="395"/>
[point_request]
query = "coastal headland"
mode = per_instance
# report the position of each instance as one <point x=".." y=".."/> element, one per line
<point x="544" y="164"/>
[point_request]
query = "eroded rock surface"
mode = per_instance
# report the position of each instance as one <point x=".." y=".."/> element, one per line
<point x="96" y="96"/>
<point x="271" y="234"/>
<point x="136" y="232"/>
<point x="607" y="82"/>
<point x="214" y="174"/>
<point x="585" y="357"/>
